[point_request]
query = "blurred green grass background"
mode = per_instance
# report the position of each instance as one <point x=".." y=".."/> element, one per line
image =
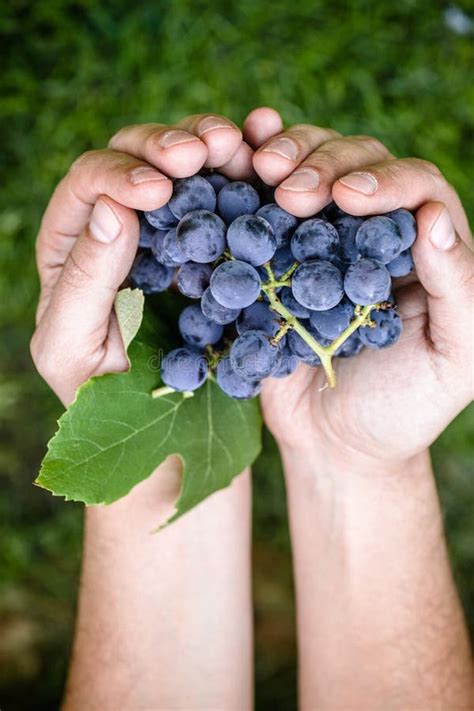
<point x="75" y="72"/>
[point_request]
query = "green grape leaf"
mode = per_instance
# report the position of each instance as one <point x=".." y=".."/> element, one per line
<point x="115" y="434"/>
<point x="129" y="304"/>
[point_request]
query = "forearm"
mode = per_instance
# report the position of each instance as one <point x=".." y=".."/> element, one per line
<point x="379" y="620"/>
<point x="164" y="619"/>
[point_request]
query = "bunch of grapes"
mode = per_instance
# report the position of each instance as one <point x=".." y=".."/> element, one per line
<point x="268" y="290"/>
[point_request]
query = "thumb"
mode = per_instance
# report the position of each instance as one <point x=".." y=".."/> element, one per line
<point x="445" y="267"/>
<point x="72" y="334"/>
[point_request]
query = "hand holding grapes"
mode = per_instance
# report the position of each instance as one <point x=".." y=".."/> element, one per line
<point x="89" y="234"/>
<point x="392" y="403"/>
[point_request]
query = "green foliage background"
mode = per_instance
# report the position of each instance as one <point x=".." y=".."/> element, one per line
<point x="73" y="73"/>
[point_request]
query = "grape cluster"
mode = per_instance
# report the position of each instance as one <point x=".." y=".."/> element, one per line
<point x="268" y="290"/>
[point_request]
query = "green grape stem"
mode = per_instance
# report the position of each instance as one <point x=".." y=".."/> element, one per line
<point x="324" y="353"/>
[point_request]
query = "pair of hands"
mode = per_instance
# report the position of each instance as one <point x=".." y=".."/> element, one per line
<point x="389" y="405"/>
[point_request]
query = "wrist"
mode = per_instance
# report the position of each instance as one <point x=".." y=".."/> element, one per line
<point x="338" y="464"/>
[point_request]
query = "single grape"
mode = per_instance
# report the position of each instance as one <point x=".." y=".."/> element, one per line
<point x="401" y="265"/>
<point x="351" y="347"/>
<point x="158" y="249"/>
<point x="258" y="317"/>
<point x="149" y="275"/>
<point x="252" y="356"/>
<point x="347" y="226"/>
<point x="184" y="369"/>
<point x="162" y="218"/>
<point x="147" y="233"/>
<point x="233" y="384"/>
<point x="406" y="224"/>
<point x="318" y="285"/>
<point x="387" y="331"/>
<point x="287" y="362"/>
<point x="201" y="236"/>
<point x="217" y="180"/>
<point x="193" y="278"/>
<point x="315" y="239"/>
<point x="235" y="284"/>
<point x="367" y="282"/>
<point x="196" y="329"/>
<point x="379" y="238"/>
<point x="190" y="194"/>
<point x="236" y="199"/>
<point x="282" y="222"/>
<point x="282" y="260"/>
<point x="215" y="311"/>
<point x="251" y="239"/>
<point x="301" y="349"/>
<point x="331" y="323"/>
<point x="287" y="299"/>
<point x="171" y="249"/>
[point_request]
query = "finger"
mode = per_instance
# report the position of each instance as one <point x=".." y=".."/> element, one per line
<point x="220" y="135"/>
<point x="445" y="268"/>
<point x="240" y="167"/>
<point x="409" y="183"/>
<point x="122" y="177"/>
<point x="74" y="322"/>
<point x="260" y="125"/>
<point x="181" y="150"/>
<point x="176" y="152"/>
<point x="309" y="188"/>
<point x="279" y="156"/>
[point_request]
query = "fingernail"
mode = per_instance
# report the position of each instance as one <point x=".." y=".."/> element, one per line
<point x="442" y="234"/>
<point x="104" y="224"/>
<point x="210" y="123"/>
<point x="362" y="182"/>
<point x="285" y="147"/>
<point x="172" y="138"/>
<point x="302" y="180"/>
<point x="144" y="174"/>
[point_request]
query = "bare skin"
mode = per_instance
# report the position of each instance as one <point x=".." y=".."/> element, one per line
<point x="379" y="621"/>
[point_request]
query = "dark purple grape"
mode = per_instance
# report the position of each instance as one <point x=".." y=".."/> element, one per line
<point x="233" y="384"/>
<point x="253" y="356"/>
<point x="401" y="265"/>
<point x="367" y="282"/>
<point x="331" y="323"/>
<point x="149" y="275"/>
<point x="258" y="317"/>
<point x="215" y="311"/>
<point x="406" y="224"/>
<point x="201" y="236"/>
<point x="235" y="284"/>
<point x="184" y="369"/>
<point x="236" y="199"/>
<point x="196" y="329"/>
<point x="387" y="331"/>
<point x="287" y="299"/>
<point x="217" y="180"/>
<point x="190" y="194"/>
<point x="193" y="278"/>
<point x="379" y="238"/>
<point x="282" y="222"/>
<point x="318" y="285"/>
<point x="347" y="226"/>
<point x="162" y="218"/>
<point x="251" y="239"/>
<point x="315" y="239"/>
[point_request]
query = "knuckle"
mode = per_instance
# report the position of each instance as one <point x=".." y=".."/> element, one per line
<point x="84" y="159"/>
<point x="74" y="274"/>
<point x="117" y="137"/>
<point x="372" y="144"/>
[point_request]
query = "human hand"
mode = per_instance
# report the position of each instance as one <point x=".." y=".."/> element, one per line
<point x="389" y="404"/>
<point x="89" y="234"/>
